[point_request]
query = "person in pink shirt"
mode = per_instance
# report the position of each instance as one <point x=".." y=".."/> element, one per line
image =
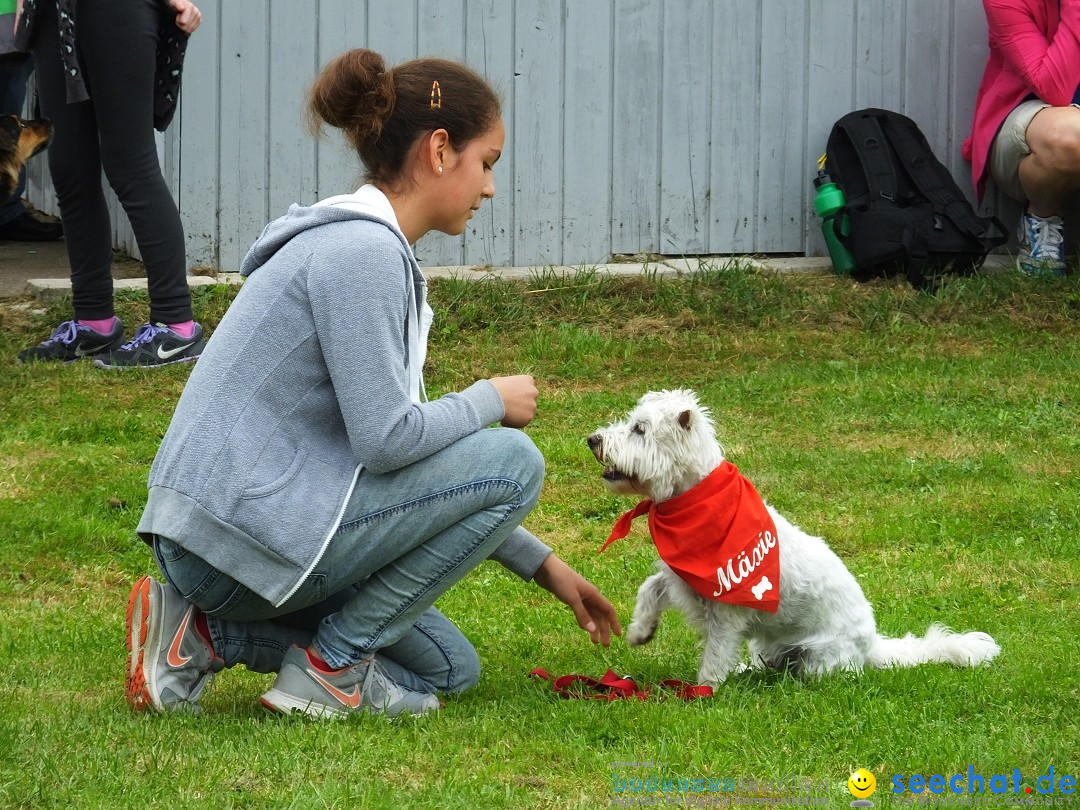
<point x="1026" y="132"/>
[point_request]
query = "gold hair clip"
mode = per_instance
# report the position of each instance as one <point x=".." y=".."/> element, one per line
<point x="436" y="96"/>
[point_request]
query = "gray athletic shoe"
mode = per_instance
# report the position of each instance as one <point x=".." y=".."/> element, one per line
<point x="363" y="687"/>
<point x="169" y="664"/>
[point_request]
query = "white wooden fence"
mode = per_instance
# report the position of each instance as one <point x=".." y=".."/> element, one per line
<point x="688" y="127"/>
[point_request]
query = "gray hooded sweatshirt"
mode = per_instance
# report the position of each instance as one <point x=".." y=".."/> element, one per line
<point x="313" y="374"/>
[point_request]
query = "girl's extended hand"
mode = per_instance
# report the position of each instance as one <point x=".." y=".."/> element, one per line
<point x="593" y="612"/>
<point x="519" y="397"/>
<point x="188" y="15"/>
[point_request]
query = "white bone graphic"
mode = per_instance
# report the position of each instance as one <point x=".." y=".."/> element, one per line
<point x="759" y="589"/>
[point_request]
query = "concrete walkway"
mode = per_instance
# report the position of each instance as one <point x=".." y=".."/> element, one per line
<point x="40" y="269"/>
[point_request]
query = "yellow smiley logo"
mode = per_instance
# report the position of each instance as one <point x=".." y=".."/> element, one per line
<point x="861" y="783"/>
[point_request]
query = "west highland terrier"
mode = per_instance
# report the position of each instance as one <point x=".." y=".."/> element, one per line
<point x="738" y="569"/>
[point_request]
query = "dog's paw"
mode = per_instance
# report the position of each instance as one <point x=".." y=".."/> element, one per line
<point x="711" y="677"/>
<point x="639" y="633"/>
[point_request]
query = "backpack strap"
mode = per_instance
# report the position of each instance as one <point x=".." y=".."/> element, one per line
<point x="925" y="172"/>
<point x="868" y="139"/>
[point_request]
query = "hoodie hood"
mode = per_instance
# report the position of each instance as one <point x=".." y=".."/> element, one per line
<point x="366" y="203"/>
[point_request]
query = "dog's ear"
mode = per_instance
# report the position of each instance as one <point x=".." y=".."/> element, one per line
<point x="684" y="420"/>
<point x="9" y="132"/>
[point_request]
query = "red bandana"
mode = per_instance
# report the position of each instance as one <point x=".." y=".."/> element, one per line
<point x="719" y="537"/>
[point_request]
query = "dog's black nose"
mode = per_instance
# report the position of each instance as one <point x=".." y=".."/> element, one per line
<point x="594" y="441"/>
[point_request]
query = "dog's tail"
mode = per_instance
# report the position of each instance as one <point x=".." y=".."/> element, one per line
<point x="940" y="645"/>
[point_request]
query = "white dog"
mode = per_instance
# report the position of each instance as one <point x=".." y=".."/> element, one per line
<point x="666" y="450"/>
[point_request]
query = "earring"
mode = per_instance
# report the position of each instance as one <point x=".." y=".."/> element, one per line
<point x="440" y="170"/>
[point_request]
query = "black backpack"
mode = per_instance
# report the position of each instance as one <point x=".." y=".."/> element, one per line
<point x="906" y="212"/>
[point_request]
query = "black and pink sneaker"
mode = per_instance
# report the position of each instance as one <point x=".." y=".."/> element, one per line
<point x="155" y="344"/>
<point x="73" y="341"/>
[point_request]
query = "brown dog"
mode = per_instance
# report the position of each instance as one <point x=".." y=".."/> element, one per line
<point x="19" y="141"/>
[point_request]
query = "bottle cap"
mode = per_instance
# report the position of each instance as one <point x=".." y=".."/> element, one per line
<point x="822" y="178"/>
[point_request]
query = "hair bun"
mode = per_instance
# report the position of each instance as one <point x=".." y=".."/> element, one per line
<point x="354" y="93"/>
<point x="384" y="113"/>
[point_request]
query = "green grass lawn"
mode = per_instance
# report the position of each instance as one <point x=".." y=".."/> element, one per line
<point x="933" y="441"/>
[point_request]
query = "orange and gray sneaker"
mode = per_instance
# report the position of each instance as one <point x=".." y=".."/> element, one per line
<point x="363" y="687"/>
<point x="169" y="662"/>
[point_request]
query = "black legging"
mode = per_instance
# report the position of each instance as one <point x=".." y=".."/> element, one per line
<point x="117" y="41"/>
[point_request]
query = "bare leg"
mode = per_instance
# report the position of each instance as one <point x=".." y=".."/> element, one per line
<point x="1052" y="169"/>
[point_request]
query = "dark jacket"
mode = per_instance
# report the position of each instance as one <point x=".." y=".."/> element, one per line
<point x="171" y="47"/>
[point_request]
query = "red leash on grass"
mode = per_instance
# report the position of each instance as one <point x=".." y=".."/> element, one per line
<point x="612" y="687"/>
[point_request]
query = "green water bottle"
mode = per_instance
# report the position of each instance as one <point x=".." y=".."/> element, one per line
<point x="827" y="203"/>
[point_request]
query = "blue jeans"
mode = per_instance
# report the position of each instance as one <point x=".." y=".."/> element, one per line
<point x="404" y="539"/>
<point x="13" y="78"/>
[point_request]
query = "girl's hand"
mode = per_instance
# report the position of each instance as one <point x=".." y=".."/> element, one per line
<point x="188" y="15"/>
<point x="593" y="612"/>
<point x="519" y="397"/>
